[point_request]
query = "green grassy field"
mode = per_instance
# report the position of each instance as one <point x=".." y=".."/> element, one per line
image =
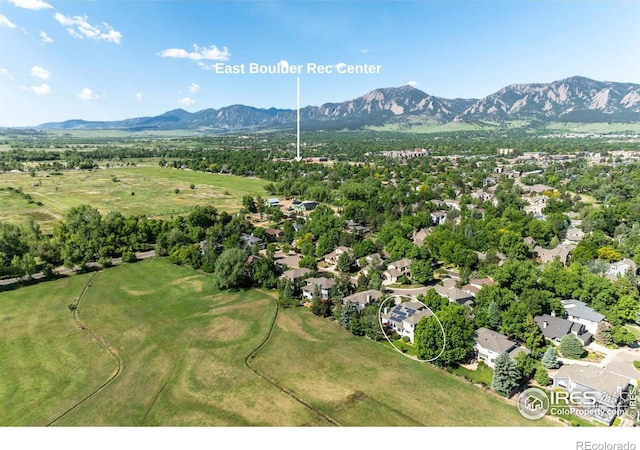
<point x="183" y="344"/>
<point x="358" y="382"/>
<point x="153" y="188"/>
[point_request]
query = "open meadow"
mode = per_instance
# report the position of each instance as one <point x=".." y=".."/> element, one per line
<point x="171" y="350"/>
<point x="130" y="190"/>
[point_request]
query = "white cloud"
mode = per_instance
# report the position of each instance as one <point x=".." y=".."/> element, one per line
<point x="87" y="94"/>
<point x="186" y="101"/>
<point x="139" y="96"/>
<point x="194" y="88"/>
<point x="44" y="38"/>
<point x="40" y="72"/>
<point x="211" y="53"/>
<point x="43" y="89"/>
<point x="4" y="22"/>
<point x="412" y="83"/>
<point x="81" y="28"/>
<point x="31" y="4"/>
<point x="5" y="73"/>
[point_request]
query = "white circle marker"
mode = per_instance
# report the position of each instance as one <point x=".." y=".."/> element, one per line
<point x="444" y="336"/>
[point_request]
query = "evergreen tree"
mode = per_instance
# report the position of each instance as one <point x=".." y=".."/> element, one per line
<point x="550" y="359"/>
<point x="505" y="375"/>
<point x="348" y="312"/>
<point x="494" y="315"/>
<point x="571" y="347"/>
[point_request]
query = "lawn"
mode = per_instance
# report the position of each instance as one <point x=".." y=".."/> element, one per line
<point x="181" y="341"/>
<point x="183" y="346"/>
<point x="358" y="382"/>
<point x="139" y="190"/>
<point x="483" y="374"/>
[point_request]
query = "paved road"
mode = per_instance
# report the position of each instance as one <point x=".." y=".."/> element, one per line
<point x="61" y="271"/>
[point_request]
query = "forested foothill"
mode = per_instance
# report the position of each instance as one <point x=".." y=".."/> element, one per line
<point x="504" y="226"/>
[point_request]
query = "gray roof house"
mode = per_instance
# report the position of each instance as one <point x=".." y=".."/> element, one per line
<point x="490" y="344"/>
<point x="295" y="275"/>
<point x="555" y="328"/>
<point x="332" y="258"/>
<point x="606" y="390"/>
<point x="362" y="299"/>
<point x="579" y="312"/>
<point x="453" y="294"/>
<point x="396" y="269"/>
<point x="324" y="287"/>
<point x="404" y="317"/>
<point x="548" y="255"/>
<point x="251" y="240"/>
<point x="621" y="268"/>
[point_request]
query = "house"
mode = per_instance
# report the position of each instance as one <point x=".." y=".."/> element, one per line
<point x="404" y="317"/>
<point x="362" y="299"/>
<point x="324" y="287"/>
<point x="295" y="275"/>
<point x="273" y="234"/>
<point x="305" y="206"/>
<point x="577" y="311"/>
<point x="574" y="235"/>
<point x="621" y="268"/>
<point x="555" y="328"/>
<point x="419" y="237"/>
<point x="438" y="217"/>
<point x="396" y="269"/>
<point x="370" y="262"/>
<point x="291" y="261"/>
<point x="490" y="344"/>
<point x="538" y="189"/>
<point x="561" y="252"/>
<point x="474" y="285"/>
<point x="273" y="201"/>
<point x="250" y="240"/>
<point x="606" y="390"/>
<point x="332" y="258"/>
<point x="354" y="227"/>
<point x="453" y="294"/>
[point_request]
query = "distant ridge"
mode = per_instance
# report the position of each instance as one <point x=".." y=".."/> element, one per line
<point x="574" y="99"/>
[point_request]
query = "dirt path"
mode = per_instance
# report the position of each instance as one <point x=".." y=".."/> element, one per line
<point x="103" y="343"/>
<point x="274" y="383"/>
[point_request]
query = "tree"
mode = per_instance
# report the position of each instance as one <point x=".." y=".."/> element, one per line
<point x="231" y="270"/>
<point x="264" y="273"/>
<point x="348" y="312"/>
<point x="459" y="336"/>
<point x="434" y="301"/>
<point x="345" y="262"/>
<point x="494" y="315"/>
<point x="628" y="308"/>
<point x="550" y="359"/>
<point x="321" y="307"/>
<point x="621" y="336"/>
<point x="249" y="204"/>
<point x="421" y="271"/>
<point x="542" y="377"/>
<point x="571" y="347"/>
<point x="506" y="375"/>
<point x="526" y="365"/>
<point x="603" y="335"/>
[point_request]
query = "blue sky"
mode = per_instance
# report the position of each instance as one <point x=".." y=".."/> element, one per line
<point x="109" y="60"/>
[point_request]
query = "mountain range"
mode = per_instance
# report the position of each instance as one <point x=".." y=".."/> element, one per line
<point x="575" y="99"/>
